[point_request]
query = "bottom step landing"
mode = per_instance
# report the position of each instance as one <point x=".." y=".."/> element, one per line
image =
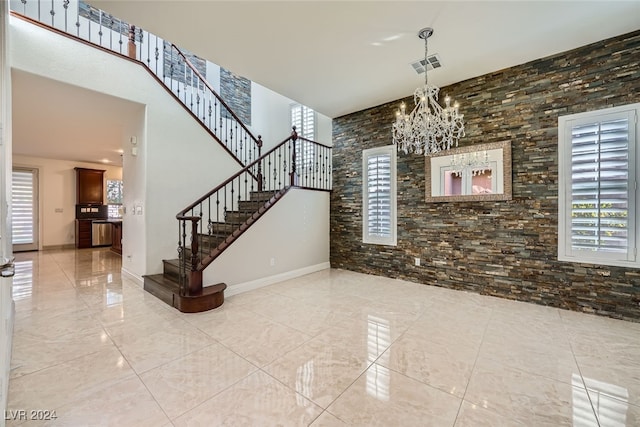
<point x="168" y="291"/>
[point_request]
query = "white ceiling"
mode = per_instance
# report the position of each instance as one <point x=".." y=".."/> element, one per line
<point x="343" y="56"/>
<point x="337" y="57"/>
<point x="71" y="123"/>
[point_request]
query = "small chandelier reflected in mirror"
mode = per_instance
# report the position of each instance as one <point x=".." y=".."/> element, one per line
<point x="429" y="128"/>
<point x="477" y="163"/>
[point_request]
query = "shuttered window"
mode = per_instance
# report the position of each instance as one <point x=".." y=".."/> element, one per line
<point x="379" y="195"/>
<point x="598" y="180"/>
<point x="24" y="209"/>
<point x="304" y="119"/>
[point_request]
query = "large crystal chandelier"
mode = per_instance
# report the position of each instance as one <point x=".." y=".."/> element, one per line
<point x="429" y="128"/>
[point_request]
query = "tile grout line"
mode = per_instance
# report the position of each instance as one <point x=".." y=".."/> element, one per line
<point x="475" y="363"/>
<point x="575" y="359"/>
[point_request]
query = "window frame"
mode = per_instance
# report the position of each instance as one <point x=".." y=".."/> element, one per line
<point x="367" y="238"/>
<point x="565" y="200"/>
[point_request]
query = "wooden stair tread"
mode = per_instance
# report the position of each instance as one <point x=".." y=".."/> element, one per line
<point x="163" y="281"/>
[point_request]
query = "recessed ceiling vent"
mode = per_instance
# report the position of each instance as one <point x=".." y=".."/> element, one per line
<point x="433" y="61"/>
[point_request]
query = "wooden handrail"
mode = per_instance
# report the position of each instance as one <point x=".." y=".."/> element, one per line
<point x="182" y="213"/>
<point x="315" y="142"/>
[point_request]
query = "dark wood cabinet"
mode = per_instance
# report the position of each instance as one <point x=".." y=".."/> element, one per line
<point x="83" y="233"/>
<point x="89" y="186"/>
<point x="116" y="234"/>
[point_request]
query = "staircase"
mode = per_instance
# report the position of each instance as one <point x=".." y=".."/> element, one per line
<point x="166" y="286"/>
<point x="207" y="227"/>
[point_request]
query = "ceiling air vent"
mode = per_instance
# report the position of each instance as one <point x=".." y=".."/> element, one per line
<point x="433" y="61"/>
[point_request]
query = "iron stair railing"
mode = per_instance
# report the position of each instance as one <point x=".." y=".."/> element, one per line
<point x="209" y="225"/>
<point x="164" y="60"/>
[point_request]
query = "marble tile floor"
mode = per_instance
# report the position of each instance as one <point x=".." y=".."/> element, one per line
<point x="331" y="348"/>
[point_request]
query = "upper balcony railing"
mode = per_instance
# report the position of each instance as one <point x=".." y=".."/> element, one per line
<point x="172" y="67"/>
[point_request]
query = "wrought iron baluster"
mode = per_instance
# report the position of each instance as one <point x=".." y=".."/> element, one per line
<point x="100" y="27"/>
<point x="191" y="89"/>
<point x="157" y="54"/>
<point x="78" y="24"/>
<point x="141" y="43"/>
<point x="120" y="36"/>
<point x="53" y="13"/>
<point x="148" y="51"/>
<point x="65" y="5"/>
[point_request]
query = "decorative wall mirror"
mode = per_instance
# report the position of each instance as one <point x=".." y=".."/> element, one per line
<point x="474" y="173"/>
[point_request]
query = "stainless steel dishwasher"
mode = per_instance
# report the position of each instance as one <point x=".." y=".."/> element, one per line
<point x="101" y="233"/>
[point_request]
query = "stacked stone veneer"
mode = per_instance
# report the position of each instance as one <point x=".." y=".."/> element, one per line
<point x="507" y="248"/>
<point x="236" y="92"/>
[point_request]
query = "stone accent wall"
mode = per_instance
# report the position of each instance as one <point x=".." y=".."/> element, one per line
<point x="236" y="92"/>
<point x="106" y="20"/>
<point x="505" y="249"/>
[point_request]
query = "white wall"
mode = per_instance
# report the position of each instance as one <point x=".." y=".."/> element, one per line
<point x="57" y="191"/>
<point x="134" y="227"/>
<point x="324" y="130"/>
<point x="294" y="233"/>
<point x="271" y="118"/>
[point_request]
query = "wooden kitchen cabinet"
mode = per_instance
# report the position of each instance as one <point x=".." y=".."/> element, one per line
<point x="83" y="233"/>
<point x="89" y="186"/>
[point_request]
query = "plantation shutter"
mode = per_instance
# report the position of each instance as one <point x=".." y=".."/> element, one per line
<point x="304" y="119"/>
<point x="22" y="207"/>
<point x="379" y="196"/>
<point x="600" y="188"/>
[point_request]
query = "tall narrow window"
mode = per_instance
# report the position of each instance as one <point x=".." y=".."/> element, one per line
<point x="24" y="209"/>
<point x="114" y="198"/>
<point x="304" y="119"/>
<point x="597" y="187"/>
<point x="379" y="195"/>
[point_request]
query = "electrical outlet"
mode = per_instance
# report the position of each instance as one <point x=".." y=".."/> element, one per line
<point x="416" y="262"/>
<point x="272" y="262"/>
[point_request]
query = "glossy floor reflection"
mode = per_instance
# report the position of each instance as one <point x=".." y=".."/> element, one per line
<point x="328" y="349"/>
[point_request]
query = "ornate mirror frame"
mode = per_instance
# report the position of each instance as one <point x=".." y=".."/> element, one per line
<point x="499" y="154"/>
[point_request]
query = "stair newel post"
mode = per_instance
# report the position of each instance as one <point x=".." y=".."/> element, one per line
<point x="195" y="276"/>
<point x="182" y="255"/>
<point x="132" y="42"/>
<point x="259" y="175"/>
<point x="294" y="138"/>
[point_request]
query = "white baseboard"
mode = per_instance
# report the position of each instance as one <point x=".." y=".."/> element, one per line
<point x="266" y="281"/>
<point x="131" y="276"/>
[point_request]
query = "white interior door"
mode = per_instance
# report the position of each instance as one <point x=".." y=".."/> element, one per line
<point x="24" y="209"/>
